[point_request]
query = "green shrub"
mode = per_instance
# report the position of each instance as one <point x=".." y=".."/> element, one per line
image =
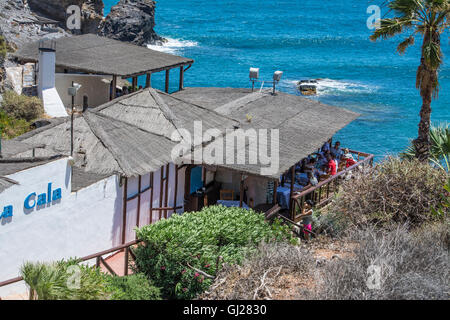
<point x="22" y="107"/>
<point x="395" y="190"/>
<point x="58" y="281"/>
<point x="4" y="48"/>
<point x="11" y="128"/>
<point x="177" y="249"/>
<point x="133" y="287"/>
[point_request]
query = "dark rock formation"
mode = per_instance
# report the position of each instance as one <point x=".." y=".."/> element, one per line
<point x="20" y="25"/>
<point x="91" y="12"/>
<point x="132" y="21"/>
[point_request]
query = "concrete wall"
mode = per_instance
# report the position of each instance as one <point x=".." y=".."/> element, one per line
<point x="79" y="224"/>
<point x="93" y="86"/>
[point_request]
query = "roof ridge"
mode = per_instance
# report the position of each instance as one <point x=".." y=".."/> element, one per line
<point x="202" y="107"/>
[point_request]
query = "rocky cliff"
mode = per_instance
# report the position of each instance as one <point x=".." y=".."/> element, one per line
<point x="22" y="21"/>
<point x="91" y="11"/>
<point x="132" y="21"/>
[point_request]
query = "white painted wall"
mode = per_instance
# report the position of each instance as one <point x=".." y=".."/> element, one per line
<point x="92" y="86"/>
<point x="53" y="104"/>
<point x="79" y="224"/>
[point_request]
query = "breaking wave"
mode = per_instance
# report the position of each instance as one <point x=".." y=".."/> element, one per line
<point x="173" y="46"/>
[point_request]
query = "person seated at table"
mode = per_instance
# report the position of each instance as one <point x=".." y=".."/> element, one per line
<point x="312" y="180"/>
<point x="332" y="165"/>
<point x="322" y="159"/>
<point x="326" y="146"/>
<point x="348" y="158"/>
<point x="310" y="166"/>
<point x="337" y="151"/>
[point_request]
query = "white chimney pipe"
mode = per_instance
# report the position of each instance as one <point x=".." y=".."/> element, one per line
<point x="47" y="61"/>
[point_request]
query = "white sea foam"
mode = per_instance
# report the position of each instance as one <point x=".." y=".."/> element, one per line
<point x="173" y="46"/>
<point x="332" y="87"/>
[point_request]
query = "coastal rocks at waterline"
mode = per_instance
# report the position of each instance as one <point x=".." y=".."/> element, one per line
<point x="132" y="21"/>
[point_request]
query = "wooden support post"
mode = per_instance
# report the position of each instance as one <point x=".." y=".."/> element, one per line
<point x="167" y="80"/>
<point x="292" y="191"/>
<point x="127" y="250"/>
<point x="148" y="80"/>
<point x="241" y="193"/>
<point x="114" y="88"/>
<point x="138" y="218"/>
<point x="134" y="84"/>
<point x="124" y="212"/>
<point x="151" y="198"/>
<point x="181" y="78"/>
<point x="176" y="188"/>
<point x="275" y="188"/>
<point x="161" y="191"/>
<point x="166" y="191"/>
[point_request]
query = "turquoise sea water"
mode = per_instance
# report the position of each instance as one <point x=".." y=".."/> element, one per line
<point x="306" y="39"/>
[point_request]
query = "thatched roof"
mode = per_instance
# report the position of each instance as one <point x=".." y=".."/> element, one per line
<point x="163" y="114"/>
<point x="133" y="135"/>
<point x="303" y="124"/>
<point x="12" y="148"/>
<point x="5" y="183"/>
<point x="105" y="145"/>
<point x="10" y="166"/>
<point x="93" y="54"/>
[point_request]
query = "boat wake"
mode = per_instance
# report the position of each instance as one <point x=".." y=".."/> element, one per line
<point x="338" y="87"/>
<point x="173" y="46"/>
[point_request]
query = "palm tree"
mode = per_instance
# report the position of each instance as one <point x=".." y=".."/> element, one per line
<point x="428" y="18"/>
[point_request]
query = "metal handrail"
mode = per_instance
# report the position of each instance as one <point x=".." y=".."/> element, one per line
<point x="86" y="258"/>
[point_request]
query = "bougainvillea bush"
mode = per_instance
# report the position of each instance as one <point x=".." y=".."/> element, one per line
<point x="183" y="254"/>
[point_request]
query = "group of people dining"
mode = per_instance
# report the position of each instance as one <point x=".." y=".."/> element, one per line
<point x="326" y="162"/>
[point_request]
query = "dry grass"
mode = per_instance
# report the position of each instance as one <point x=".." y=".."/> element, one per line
<point x="413" y="265"/>
<point x="277" y="271"/>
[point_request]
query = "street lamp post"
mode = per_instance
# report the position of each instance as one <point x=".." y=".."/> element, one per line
<point x="72" y="92"/>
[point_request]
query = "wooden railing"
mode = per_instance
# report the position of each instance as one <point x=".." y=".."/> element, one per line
<point x="322" y="193"/>
<point x="99" y="260"/>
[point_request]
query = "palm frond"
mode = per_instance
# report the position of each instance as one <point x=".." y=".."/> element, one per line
<point x="390" y="27"/>
<point x="405" y="44"/>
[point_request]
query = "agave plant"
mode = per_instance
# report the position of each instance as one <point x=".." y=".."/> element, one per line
<point x="440" y="147"/>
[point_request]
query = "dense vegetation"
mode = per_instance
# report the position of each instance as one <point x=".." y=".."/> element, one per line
<point x="440" y="147"/>
<point x="393" y="191"/>
<point x="17" y="112"/>
<point x="394" y="217"/>
<point x="70" y="280"/>
<point x="183" y="254"/>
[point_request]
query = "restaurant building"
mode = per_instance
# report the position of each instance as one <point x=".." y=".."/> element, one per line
<point x="72" y="192"/>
